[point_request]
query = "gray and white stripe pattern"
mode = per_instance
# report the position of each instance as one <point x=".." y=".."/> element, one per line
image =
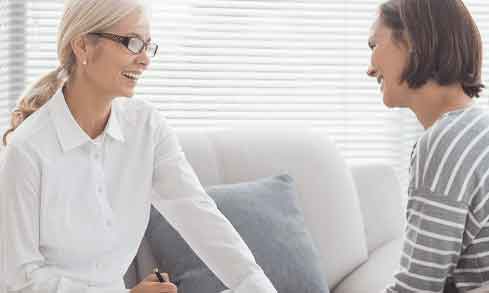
<point x="447" y="229"/>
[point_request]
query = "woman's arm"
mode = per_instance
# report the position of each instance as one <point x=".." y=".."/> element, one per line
<point x="433" y="242"/>
<point x="25" y="268"/>
<point x="181" y="199"/>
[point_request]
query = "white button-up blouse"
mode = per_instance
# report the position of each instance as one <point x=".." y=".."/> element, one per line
<point x="74" y="210"/>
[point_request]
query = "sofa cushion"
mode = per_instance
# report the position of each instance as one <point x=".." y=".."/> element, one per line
<point x="374" y="193"/>
<point x="375" y="274"/>
<point x="266" y="214"/>
<point x="327" y="194"/>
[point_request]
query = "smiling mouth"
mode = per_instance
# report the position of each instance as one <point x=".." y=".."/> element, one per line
<point x="380" y="81"/>
<point x="131" y="76"/>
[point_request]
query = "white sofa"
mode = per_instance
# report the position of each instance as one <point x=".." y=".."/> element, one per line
<point x="354" y="213"/>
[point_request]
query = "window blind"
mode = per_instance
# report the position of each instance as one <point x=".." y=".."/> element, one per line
<point x="244" y="63"/>
<point x="5" y="25"/>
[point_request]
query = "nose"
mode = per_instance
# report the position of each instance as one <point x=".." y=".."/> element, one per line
<point x="371" y="71"/>
<point x="144" y="59"/>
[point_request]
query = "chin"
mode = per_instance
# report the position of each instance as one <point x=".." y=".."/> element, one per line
<point x="390" y="102"/>
<point x="389" y="105"/>
<point x="127" y="94"/>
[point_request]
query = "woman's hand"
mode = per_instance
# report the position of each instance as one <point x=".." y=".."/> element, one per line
<point x="150" y="284"/>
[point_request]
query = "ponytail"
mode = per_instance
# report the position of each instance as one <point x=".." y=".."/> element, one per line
<point x="35" y="97"/>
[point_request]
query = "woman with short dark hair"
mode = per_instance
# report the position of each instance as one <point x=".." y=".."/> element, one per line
<point x="427" y="56"/>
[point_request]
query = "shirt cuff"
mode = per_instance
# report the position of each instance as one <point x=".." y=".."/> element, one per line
<point x="257" y="283"/>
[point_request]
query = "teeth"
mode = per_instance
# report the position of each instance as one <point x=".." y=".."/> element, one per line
<point x="132" y="76"/>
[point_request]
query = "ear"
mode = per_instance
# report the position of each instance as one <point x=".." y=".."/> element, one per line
<point x="408" y="43"/>
<point x="81" y="48"/>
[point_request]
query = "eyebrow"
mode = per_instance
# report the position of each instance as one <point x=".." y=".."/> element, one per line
<point x="139" y="36"/>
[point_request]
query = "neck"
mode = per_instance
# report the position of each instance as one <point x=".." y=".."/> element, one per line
<point x="90" y="109"/>
<point x="432" y="100"/>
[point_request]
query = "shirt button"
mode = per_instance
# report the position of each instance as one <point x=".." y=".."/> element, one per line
<point x="99" y="189"/>
<point x="108" y="223"/>
<point x="97" y="156"/>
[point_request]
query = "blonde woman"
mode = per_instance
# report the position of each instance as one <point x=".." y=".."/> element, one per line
<point x="82" y="167"/>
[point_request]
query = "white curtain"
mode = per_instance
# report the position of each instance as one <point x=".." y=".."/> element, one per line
<point x="242" y="63"/>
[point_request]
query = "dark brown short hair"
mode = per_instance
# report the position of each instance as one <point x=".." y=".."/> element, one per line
<point x="444" y="41"/>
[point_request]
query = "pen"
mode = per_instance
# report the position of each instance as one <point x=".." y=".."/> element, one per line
<point x="160" y="277"/>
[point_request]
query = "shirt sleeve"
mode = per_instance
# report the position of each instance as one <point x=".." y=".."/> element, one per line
<point x="25" y="268"/>
<point x="178" y="194"/>
<point x="433" y="242"/>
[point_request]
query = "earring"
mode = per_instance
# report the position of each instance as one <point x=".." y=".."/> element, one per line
<point x="84" y="62"/>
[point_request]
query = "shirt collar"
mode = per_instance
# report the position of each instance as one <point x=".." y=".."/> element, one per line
<point x="113" y="128"/>
<point x="69" y="133"/>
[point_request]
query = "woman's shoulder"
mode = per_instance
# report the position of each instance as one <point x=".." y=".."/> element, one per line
<point x="464" y="117"/>
<point x="33" y="129"/>
<point x="453" y="153"/>
<point x="458" y="129"/>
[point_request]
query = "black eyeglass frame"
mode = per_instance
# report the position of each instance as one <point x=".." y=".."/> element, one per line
<point x="125" y="40"/>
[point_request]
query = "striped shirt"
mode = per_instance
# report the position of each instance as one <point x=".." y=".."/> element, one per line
<point x="447" y="229"/>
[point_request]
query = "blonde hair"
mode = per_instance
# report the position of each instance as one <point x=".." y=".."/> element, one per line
<point x="79" y="18"/>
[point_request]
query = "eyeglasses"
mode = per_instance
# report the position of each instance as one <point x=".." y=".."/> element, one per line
<point x="133" y="44"/>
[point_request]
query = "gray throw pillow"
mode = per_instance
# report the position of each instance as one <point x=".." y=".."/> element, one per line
<point x="266" y="215"/>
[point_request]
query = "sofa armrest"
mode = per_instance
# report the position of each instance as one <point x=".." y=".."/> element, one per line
<point x="381" y="202"/>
